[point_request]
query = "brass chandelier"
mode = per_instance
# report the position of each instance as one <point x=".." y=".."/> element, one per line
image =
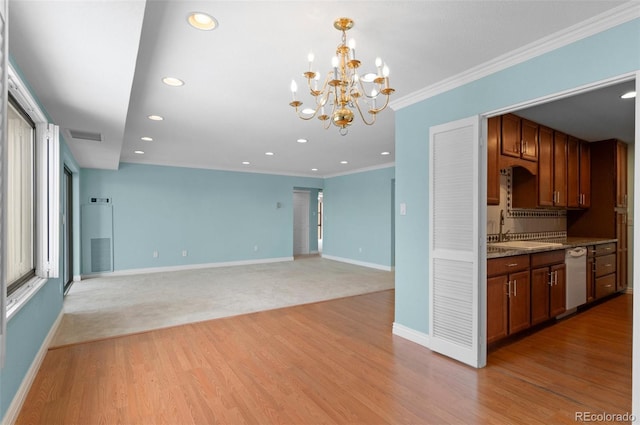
<point x="343" y="89"/>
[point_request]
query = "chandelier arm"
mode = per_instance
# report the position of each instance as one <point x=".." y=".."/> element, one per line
<point x="376" y="110"/>
<point x="362" y="115"/>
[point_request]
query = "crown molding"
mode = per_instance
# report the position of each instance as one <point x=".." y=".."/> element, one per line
<point x="599" y="23"/>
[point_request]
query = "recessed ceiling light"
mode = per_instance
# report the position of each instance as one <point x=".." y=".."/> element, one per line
<point x="155" y="117"/>
<point x="146" y="138"/>
<point x="314" y="169"/>
<point x="302" y="140"/>
<point x="344" y="162"/>
<point x="269" y="153"/>
<point x="385" y="153"/>
<point x="245" y="163"/>
<point x="173" y="82"/>
<point x="368" y="78"/>
<point x="629" y="95"/>
<point x="202" y="21"/>
<point x="139" y="152"/>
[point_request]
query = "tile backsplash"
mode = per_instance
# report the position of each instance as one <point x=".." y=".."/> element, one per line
<point x="523" y="223"/>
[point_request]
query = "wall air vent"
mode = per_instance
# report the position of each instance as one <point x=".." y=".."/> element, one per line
<point x="85" y="135"/>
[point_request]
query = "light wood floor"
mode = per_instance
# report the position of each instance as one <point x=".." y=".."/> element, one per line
<point x="334" y="362"/>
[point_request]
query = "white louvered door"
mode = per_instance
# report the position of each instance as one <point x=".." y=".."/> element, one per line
<point x="456" y="318"/>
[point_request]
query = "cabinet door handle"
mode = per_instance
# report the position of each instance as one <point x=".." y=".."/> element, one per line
<point x="512" y="264"/>
<point x="515" y="288"/>
<point x="550" y="279"/>
<point x="556" y="275"/>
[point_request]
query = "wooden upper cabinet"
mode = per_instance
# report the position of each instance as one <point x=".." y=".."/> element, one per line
<point x="510" y="141"/>
<point x="573" y="172"/>
<point x="519" y="138"/>
<point x="493" y="154"/>
<point x="585" y="175"/>
<point x="529" y="143"/>
<point x="621" y="174"/>
<point x="545" y="167"/>
<point x="560" y="141"/>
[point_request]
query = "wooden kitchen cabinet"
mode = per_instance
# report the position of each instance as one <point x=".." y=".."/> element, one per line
<point x="529" y="135"/>
<point x="621" y="175"/>
<point x="622" y="251"/>
<point x="497" y="308"/>
<point x="545" y="187"/>
<point x="508" y="296"/>
<point x="510" y="142"/>
<point x="604" y="270"/>
<point x="573" y="173"/>
<point x="548" y="285"/>
<point x="560" y="141"/>
<point x="606" y="216"/>
<point x="590" y="278"/>
<point x="584" y="194"/>
<point x="519" y="138"/>
<point x="552" y="168"/>
<point x="493" y="157"/>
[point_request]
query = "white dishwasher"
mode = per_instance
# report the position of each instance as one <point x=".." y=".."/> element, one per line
<point x="576" y="262"/>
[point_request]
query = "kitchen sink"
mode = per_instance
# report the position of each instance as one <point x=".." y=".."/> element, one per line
<point x="525" y="244"/>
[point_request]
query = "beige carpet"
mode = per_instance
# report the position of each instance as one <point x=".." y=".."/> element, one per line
<point x="117" y="305"/>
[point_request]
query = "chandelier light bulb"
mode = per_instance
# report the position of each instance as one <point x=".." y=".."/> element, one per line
<point x="378" y="62"/>
<point x="385" y="70"/>
<point x="310" y="57"/>
<point x="294" y="86"/>
<point x="352" y="48"/>
<point x="334" y="64"/>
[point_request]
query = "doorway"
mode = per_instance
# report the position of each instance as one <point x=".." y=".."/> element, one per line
<point x="301" y="200"/>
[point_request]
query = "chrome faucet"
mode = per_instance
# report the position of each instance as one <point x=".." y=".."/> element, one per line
<point x="502" y="236"/>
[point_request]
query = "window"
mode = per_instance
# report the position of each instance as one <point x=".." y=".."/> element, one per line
<point x="32" y="193"/>
<point x="21" y="197"/>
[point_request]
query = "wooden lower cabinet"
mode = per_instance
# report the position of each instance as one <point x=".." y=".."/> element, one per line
<point x="519" y="302"/>
<point x="508" y="296"/>
<point x="548" y="286"/>
<point x="497" y="308"/>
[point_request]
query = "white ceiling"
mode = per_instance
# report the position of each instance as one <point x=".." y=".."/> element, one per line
<point x="96" y="66"/>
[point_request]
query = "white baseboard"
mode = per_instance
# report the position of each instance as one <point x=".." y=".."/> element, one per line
<point x="358" y="263"/>
<point x="18" y="399"/>
<point x="187" y="267"/>
<point x="411" y="334"/>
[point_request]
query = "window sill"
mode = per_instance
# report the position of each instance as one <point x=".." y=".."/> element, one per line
<point x="21" y="297"/>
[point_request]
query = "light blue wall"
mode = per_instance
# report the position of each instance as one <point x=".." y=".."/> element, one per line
<point x="28" y="328"/>
<point x="26" y="332"/>
<point x="358" y="217"/>
<point x="605" y="55"/>
<point x="216" y="216"/>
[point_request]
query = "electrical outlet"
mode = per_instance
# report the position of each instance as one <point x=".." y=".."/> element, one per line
<point x="184" y="252"/>
<point x="155" y="254"/>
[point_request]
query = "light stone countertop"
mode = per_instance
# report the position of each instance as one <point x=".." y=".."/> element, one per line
<point x="569" y="242"/>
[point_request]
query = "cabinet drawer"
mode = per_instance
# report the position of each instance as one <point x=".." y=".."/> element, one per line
<point x="605" y="248"/>
<point x="605" y="265"/>
<point x="605" y="285"/>
<point x="498" y="266"/>
<point x="547" y="258"/>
